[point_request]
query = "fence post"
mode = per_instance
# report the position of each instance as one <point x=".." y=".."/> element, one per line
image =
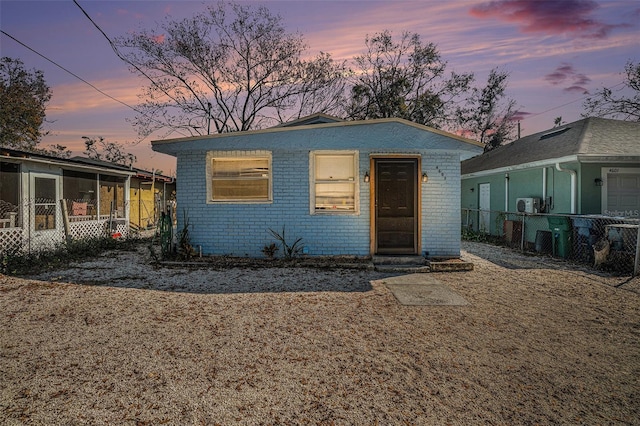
<point x="110" y="231"/>
<point x="636" y="265"/>
<point x="65" y="219"/>
<point x="522" y="233"/>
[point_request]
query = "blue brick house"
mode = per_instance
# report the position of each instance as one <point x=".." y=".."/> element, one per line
<point x="386" y="186"/>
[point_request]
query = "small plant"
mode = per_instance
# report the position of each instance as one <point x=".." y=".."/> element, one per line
<point x="185" y="249"/>
<point x="289" y="250"/>
<point x="270" y="250"/>
<point x="469" y="234"/>
<point x="152" y="252"/>
<point x="166" y="235"/>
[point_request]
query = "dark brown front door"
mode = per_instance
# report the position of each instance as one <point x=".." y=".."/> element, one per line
<point x="396" y="222"/>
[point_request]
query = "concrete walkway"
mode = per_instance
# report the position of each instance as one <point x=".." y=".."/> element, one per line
<point x="422" y="290"/>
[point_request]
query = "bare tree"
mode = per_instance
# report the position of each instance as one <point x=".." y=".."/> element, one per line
<point x="488" y="113"/>
<point x="609" y="103"/>
<point x="320" y="88"/>
<point x="230" y="68"/>
<point x="406" y="79"/>
<point x="112" y="152"/>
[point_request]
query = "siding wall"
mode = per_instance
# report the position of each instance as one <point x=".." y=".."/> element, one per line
<point x="522" y="184"/>
<point x="242" y="229"/>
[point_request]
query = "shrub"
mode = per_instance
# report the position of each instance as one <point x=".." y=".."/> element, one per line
<point x="16" y="262"/>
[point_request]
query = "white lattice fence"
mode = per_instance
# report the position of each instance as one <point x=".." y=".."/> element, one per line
<point x="97" y="228"/>
<point x="122" y="228"/>
<point x="42" y="228"/>
<point x="87" y="229"/>
<point x="12" y="240"/>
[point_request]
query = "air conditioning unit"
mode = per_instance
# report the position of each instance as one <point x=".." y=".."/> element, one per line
<point x="528" y="205"/>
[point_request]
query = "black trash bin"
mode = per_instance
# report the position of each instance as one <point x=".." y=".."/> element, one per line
<point x="543" y="241"/>
<point x="585" y="235"/>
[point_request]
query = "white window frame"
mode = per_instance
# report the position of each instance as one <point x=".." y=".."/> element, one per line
<point x="355" y="181"/>
<point x="51" y="204"/>
<point x="238" y="155"/>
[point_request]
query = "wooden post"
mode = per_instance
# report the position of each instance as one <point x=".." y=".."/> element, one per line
<point x="65" y="219"/>
<point x="110" y="220"/>
<point x="636" y="266"/>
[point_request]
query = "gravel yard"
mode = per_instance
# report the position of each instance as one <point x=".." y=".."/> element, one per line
<point x="119" y="341"/>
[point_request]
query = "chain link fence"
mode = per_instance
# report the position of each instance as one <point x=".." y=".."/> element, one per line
<point x="604" y="242"/>
<point x="42" y="224"/>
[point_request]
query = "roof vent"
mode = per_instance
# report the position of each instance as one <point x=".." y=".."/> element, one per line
<point x="553" y="133"/>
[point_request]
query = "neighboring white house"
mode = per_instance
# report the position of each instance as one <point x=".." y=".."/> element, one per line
<point x="44" y="200"/>
<point x="386" y="186"/>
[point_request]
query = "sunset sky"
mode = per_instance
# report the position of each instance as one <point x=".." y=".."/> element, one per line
<point x="556" y="51"/>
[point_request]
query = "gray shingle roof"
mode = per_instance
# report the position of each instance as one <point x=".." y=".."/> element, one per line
<point x="590" y="136"/>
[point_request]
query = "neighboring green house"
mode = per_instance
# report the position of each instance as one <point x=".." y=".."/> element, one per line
<point x="591" y="166"/>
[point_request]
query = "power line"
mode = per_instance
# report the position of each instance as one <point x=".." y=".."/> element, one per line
<point x="125" y="60"/>
<point x="82" y="79"/>
<point x="565" y="104"/>
<point x="121" y="56"/>
<point x="111" y="43"/>
<point x="69" y="72"/>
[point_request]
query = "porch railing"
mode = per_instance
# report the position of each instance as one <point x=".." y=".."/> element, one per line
<point x="31" y="227"/>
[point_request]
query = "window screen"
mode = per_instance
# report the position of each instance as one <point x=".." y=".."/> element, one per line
<point x="335" y="182"/>
<point x="240" y="179"/>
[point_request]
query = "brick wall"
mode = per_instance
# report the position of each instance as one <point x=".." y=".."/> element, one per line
<point x="242" y="229"/>
<point x="441" y="205"/>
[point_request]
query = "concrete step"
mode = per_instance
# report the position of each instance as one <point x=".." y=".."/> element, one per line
<point x="398" y="260"/>
<point x="418" y="264"/>
<point x="401" y="264"/>
<point x="404" y="269"/>
<point x="449" y="265"/>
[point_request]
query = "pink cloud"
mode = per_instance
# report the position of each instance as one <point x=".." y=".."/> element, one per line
<point x="567" y="74"/>
<point x="576" y="89"/>
<point x="159" y="39"/>
<point x="520" y="115"/>
<point x="547" y="16"/>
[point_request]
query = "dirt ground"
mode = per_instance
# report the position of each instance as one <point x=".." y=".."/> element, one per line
<point x="119" y="341"/>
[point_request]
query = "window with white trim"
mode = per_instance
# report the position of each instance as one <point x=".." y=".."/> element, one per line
<point x="334" y="182"/>
<point x="240" y="178"/>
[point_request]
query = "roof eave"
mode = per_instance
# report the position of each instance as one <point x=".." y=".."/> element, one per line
<point x="608" y="158"/>
<point x="580" y="158"/>
<point x="69" y="165"/>
<point x="158" y="143"/>
<point x="531" y="165"/>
